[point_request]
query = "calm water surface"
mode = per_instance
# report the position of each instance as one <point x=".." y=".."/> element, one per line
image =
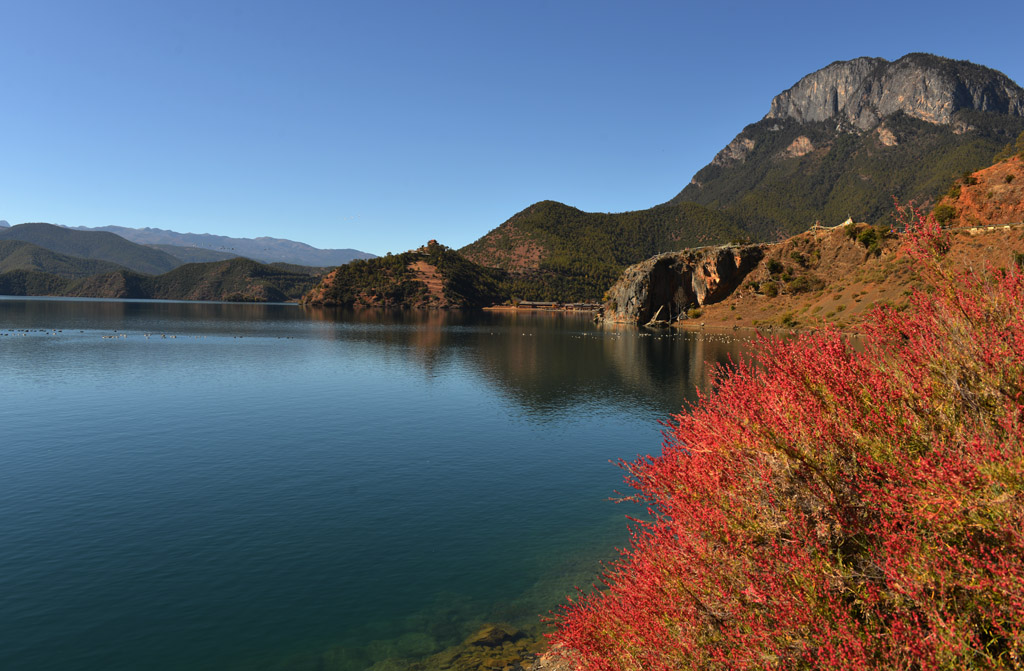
<point x="216" y="486"/>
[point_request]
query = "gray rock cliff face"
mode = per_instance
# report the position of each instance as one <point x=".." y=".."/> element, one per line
<point x="824" y="94"/>
<point x="676" y="281"/>
<point x="861" y="92"/>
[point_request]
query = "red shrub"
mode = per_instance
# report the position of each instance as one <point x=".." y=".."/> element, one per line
<point x="825" y="508"/>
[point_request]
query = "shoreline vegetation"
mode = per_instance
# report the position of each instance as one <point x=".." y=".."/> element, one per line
<point x="837" y="509"/>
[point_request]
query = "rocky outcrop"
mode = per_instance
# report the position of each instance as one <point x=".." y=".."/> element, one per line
<point x="887" y="137"/>
<point x="737" y="150"/>
<point x="799" y="147"/>
<point x="677" y="281"/>
<point x="824" y="94"/>
<point x="863" y="91"/>
<point x="990" y="197"/>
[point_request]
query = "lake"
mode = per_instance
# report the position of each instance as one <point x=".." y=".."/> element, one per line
<point x="234" y="486"/>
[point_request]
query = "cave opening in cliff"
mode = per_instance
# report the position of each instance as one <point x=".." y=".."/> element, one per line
<point x="669" y="290"/>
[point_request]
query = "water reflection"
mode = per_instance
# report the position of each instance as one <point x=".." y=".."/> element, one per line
<point x="547" y="363"/>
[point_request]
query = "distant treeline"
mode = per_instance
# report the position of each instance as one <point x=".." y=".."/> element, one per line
<point x="237" y="279"/>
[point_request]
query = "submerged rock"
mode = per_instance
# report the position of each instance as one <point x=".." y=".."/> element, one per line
<point x="491" y="635"/>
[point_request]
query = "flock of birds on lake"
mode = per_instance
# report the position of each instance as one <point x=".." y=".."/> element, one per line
<point x="118" y="335"/>
<point x="115" y="335"/>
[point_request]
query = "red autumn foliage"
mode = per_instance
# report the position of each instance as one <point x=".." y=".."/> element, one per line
<point x="830" y="508"/>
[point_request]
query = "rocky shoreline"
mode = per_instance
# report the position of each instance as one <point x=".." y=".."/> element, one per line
<point x="493" y="647"/>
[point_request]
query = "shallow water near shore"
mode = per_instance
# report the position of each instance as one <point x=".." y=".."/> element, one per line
<point x="223" y="486"/>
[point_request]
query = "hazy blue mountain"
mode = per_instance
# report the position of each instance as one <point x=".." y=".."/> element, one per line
<point x="265" y="249"/>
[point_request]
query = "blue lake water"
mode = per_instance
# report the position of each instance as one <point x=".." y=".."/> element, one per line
<point x="221" y="486"/>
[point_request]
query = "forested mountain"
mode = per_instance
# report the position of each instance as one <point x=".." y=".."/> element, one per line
<point x="847" y="139"/>
<point x="843" y="141"/>
<point x="93" y="245"/>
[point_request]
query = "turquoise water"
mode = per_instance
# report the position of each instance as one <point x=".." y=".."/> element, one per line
<point x="219" y="486"/>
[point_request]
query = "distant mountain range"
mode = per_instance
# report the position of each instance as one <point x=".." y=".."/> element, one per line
<point x="47" y="260"/>
<point x="96" y="245"/>
<point x="193" y="247"/>
<point x="843" y="141"/>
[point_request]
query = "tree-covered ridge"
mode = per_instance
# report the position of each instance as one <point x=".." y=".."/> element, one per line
<point x="793" y="174"/>
<point x="558" y="252"/>
<point x="396" y="280"/>
<point x="237" y="279"/>
<point x="24" y="282"/>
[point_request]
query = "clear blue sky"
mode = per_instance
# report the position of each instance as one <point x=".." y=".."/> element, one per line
<point x="380" y="125"/>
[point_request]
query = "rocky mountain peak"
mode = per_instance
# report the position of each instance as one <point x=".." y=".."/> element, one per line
<point x="862" y="91"/>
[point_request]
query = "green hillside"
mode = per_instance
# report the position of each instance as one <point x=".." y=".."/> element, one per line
<point x="235" y="279"/>
<point x="19" y="255"/>
<point x="558" y="252"/>
<point x="32" y="283"/>
<point x="771" y="192"/>
<point x="93" y="245"/>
